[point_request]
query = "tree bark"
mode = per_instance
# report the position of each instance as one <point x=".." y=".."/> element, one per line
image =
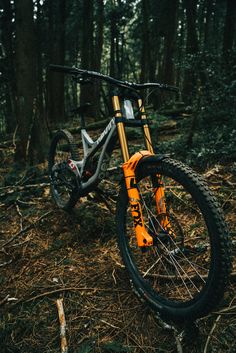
<point x="191" y="46"/>
<point x="113" y="31"/>
<point x="9" y="66"/>
<point x="170" y="39"/>
<point x="98" y="55"/>
<point x="208" y="17"/>
<point x="230" y="25"/>
<point x="25" y="75"/>
<point x="145" y="42"/>
<point x="31" y="146"/>
<point x="87" y="51"/>
<point x="57" y="18"/>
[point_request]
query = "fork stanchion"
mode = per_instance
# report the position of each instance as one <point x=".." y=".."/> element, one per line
<point x="147" y="135"/>
<point x="120" y="129"/>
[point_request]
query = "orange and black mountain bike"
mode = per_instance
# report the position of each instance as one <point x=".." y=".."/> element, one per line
<point x="171" y="233"/>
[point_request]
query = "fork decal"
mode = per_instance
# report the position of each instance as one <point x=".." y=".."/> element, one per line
<point x="137" y="219"/>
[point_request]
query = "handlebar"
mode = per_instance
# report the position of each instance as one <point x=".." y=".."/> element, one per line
<point x="125" y="84"/>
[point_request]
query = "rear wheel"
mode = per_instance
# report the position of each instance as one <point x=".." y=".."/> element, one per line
<point x="184" y="274"/>
<point x="64" y="183"/>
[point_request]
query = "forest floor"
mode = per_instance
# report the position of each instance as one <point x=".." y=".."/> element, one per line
<point x="47" y="254"/>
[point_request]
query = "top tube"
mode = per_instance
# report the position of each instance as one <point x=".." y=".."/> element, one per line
<point x="124" y="84"/>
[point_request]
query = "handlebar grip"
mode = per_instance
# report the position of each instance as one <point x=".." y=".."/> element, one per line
<point x="161" y="86"/>
<point x="64" y="69"/>
<point x="171" y="88"/>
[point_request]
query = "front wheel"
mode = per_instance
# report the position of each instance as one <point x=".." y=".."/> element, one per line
<point x="184" y="274"/>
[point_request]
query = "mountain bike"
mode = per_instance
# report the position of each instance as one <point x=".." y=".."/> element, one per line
<point x="171" y="233"/>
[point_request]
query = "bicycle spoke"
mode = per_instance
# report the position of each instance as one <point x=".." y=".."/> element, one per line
<point x="168" y="257"/>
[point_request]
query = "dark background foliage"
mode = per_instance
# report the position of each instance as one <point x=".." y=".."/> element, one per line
<point x="188" y="43"/>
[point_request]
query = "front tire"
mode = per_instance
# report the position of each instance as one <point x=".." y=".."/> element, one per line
<point x="184" y="275"/>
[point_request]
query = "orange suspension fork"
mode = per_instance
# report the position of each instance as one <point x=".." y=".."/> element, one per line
<point x="159" y="192"/>
<point x="143" y="238"/>
<point x="129" y="165"/>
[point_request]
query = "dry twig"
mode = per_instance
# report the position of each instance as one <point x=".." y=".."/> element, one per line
<point x="66" y="289"/>
<point x="26" y="228"/>
<point x="5" y="263"/>
<point x="211" y="333"/>
<point x="14" y="188"/>
<point x="215" y="324"/>
<point x="4" y="300"/>
<point x="62" y="320"/>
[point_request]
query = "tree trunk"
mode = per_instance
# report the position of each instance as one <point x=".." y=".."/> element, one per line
<point x="170" y="38"/>
<point x="98" y="55"/>
<point x="30" y="146"/>
<point x="25" y="75"/>
<point x="229" y="28"/>
<point x="39" y="26"/>
<point x="57" y="56"/>
<point x="145" y="42"/>
<point x="112" y="44"/>
<point x="87" y="51"/>
<point x="191" y="46"/>
<point x="9" y="66"/>
<point x="208" y="17"/>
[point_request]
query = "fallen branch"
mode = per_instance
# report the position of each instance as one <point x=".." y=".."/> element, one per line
<point x="62" y="320"/>
<point x="215" y="324"/>
<point x="211" y="333"/>
<point x="5" y="263"/>
<point x="171" y="328"/>
<point x="66" y="289"/>
<point x="227" y="310"/>
<point x="26" y="228"/>
<point x="4" y="300"/>
<point x="15" y="188"/>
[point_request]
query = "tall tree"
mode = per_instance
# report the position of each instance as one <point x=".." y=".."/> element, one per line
<point x="87" y="49"/>
<point x="57" y="17"/>
<point x="113" y="35"/>
<point x="192" y="46"/>
<point x="209" y="5"/>
<point x="171" y="11"/>
<point x="30" y="146"/>
<point x="98" y="53"/>
<point x="145" y="52"/>
<point x="25" y="75"/>
<point x="9" y="65"/>
<point x="230" y="26"/>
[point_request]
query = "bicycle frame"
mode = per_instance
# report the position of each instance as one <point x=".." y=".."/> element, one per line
<point x="90" y="147"/>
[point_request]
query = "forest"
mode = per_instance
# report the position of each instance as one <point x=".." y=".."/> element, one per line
<point x="190" y="44"/>
<point x="48" y="255"/>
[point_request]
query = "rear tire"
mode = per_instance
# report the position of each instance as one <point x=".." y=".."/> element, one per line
<point x="63" y="182"/>
<point x="184" y="276"/>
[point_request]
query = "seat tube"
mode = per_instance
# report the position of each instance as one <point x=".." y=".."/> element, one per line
<point x="120" y="128"/>
<point x="147" y="135"/>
